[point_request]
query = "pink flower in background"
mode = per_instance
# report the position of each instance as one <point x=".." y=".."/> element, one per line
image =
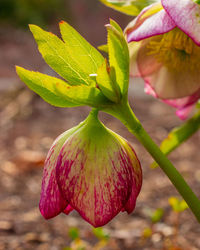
<point x="167" y="54"/>
<point x="90" y="169"/>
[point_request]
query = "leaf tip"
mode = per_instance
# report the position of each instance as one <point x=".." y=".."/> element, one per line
<point x="111" y="20"/>
<point x="18" y="69"/>
<point x="32" y="26"/>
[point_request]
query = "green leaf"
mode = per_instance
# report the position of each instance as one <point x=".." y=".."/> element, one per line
<point x="157" y="215"/>
<point x="106" y="81"/>
<point x="129" y="7"/>
<point x="116" y="26"/>
<point x="58" y="93"/>
<point x="118" y="55"/>
<point x="103" y="48"/>
<point x="51" y="89"/>
<point x="178" y="135"/>
<point x="100" y="233"/>
<point x="66" y="59"/>
<point x="73" y="233"/>
<point x="88" y="57"/>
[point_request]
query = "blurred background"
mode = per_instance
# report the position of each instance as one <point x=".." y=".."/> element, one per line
<point x="28" y="127"/>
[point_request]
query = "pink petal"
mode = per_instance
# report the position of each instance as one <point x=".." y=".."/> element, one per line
<point x="51" y="201"/>
<point x="183" y="113"/>
<point x="133" y="51"/>
<point x="141" y="64"/>
<point x="137" y="170"/>
<point x="130" y="205"/>
<point x="96" y="178"/>
<point x="166" y="83"/>
<point x="184" y="105"/>
<point x="186" y="15"/>
<point x="153" y="20"/>
<point x="149" y="90"/>
<point x="137" y="179"/>
<point x="171" y="85"/>
<point x="147" y="64"/>
<point x="68" y="209"/>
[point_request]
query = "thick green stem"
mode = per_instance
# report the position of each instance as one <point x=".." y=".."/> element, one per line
<point x="125" y="114"/>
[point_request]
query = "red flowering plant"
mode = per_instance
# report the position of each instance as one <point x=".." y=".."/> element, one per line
<point x="90" y="168"/>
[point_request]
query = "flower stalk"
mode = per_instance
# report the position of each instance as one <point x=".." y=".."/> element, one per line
<point x="125" y="114"/>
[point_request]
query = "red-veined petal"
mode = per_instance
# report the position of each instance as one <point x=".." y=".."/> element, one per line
<point x="153" y="20"/>
<point x="186" y="15"/>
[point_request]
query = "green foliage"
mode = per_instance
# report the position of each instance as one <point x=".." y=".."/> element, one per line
<point x="118" y="55"/>
<point x="157" y="215"/>
<point x="177" y="204"/>
<point x="88" y="58"/>
<point x="154" y="215"/>
<point x="178" y="135"/>
<point x="59" y="93"/>
<point x="80" y="244"/>
<point x="197" y="1"/>
<point x="90" y="80"/>
<point x="74" y="60"/>
<point x="22" y="12"/>
<point x="129" y="7"/>
<point x="103" y="48"/>
<point x="113" y="79"/>
<point x="73" y="233"/>
<point x="100" y="234"/>
<point x="147" y="232"/>
<point x="106" y="80"/>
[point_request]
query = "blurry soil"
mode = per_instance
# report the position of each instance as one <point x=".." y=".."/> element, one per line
<point x="28" y="126"/>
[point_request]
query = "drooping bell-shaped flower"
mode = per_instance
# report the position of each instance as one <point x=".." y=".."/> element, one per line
<point x="166" y="52"/>
<point x="91" y="169"/>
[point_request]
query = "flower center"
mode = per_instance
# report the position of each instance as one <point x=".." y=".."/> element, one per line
<point x="175" y="50"/>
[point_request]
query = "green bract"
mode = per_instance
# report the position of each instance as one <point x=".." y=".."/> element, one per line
<point x="58" y="93"/>
<point x="88" y="79"/>
<point x="74" y="59"/>
<point x="106" y="79"/>
<point x="129" y="7"/>
<point x="118" y="55"/>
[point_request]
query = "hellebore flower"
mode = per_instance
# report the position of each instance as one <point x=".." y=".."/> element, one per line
<point x="167" y="54"/>
<point x="90" y="169"/>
